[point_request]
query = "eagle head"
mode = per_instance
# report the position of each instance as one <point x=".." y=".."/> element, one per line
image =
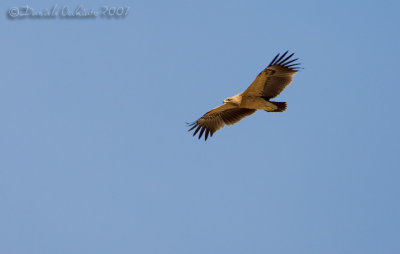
<point x="233" y="100"/>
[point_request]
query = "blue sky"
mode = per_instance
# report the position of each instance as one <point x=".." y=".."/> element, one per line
<point x="95" y="156"/>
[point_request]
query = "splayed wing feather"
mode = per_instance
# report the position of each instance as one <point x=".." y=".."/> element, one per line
<point x="280" y="58"/>
<point x="273" y="60"/>
<point x="284" y="60"/>
<point x="286" y="63"/>
<point x="197" y="130"/>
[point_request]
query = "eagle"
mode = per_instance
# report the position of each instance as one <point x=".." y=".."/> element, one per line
<point x="267" y="85"/>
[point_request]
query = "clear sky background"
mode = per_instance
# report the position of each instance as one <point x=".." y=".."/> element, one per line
<point x="95" y="156"/>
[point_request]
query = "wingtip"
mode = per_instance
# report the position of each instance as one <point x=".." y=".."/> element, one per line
<point x="287" y="61"/>
<point x="281" y="60"/>
<point x="273" y="60"/>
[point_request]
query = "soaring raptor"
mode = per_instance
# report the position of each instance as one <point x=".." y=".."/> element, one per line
<point x="267" y="85"/>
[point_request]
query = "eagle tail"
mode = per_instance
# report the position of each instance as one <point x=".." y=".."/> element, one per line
<point x="281" y="106"/>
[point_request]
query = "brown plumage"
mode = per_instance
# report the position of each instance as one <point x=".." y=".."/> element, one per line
<point x="267" y="85"/>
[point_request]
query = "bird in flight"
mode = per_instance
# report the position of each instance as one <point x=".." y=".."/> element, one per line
<point x="267" y="85"/>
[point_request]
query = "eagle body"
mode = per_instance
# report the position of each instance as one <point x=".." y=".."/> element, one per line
<point x="267" y="85"/>
<point x="253" y="102"/>
<point x="256" y="102"/>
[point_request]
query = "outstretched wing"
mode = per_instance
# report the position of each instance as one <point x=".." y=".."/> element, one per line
<point x="275" y="78"/>
<point x="216" y="118"/>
